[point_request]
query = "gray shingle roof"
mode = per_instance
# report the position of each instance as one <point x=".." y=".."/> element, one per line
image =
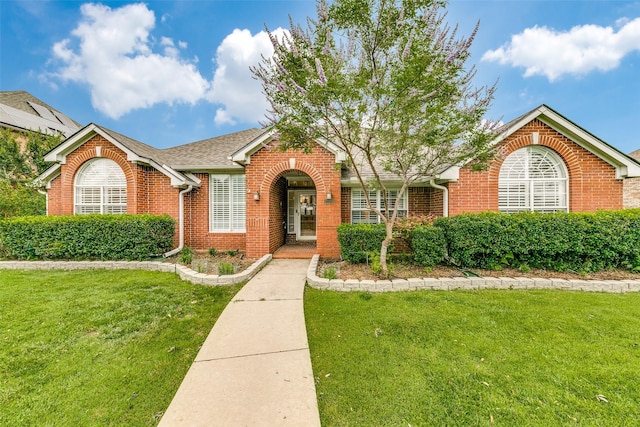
<point x="211" y="152"/>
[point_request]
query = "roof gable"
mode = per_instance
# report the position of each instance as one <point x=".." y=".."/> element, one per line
<point x="243" y="155"/>
<point x="136" y="151"/>
<point x="625" y="166"/>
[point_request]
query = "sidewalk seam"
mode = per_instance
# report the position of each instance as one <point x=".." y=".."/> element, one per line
<point x="253" y="355"/>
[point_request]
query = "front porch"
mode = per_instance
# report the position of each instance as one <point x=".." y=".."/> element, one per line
<point x="296" y="250"/>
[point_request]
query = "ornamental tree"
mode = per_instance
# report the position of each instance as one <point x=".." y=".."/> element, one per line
<point x="386" y="81"/>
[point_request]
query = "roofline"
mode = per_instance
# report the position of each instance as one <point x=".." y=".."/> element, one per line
<point x="625" y="166"/>
<point x="59" y="154"/>
<point x="243" y="155"/>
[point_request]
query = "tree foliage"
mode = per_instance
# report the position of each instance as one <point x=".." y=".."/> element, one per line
<point x="386" y="81"/>
<point x="21" y="161"/>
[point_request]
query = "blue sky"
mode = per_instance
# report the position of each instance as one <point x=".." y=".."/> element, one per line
<point x="172" y="72"/>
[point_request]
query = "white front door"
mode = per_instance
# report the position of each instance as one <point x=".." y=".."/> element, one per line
<point x="305" y="218"/>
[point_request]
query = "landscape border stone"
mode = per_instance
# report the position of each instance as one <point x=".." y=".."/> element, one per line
<point x="466" y="283"/>
<point x="184" y="272"/>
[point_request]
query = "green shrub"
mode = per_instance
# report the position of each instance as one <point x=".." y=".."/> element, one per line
<point x="358" y="240"/>
<point x="186" y="255"/>
<point x="225" y="268"/>
<point x="90" y="237"/>
<point x="581" y="242"/>
<point x="329" y="273"/>
<point x="428" y="245"/>
<point x="213" y="251"/>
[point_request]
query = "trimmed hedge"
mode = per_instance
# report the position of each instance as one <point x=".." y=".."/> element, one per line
<point x="87" y="237"/>
<point x="428" y="245"/>
<point x="358" y="240"/>
<point x="584" y="242"/>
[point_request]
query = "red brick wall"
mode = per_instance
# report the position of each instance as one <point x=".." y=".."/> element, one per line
<point x="196" y="215"/>
<point x="592" y="182"/>
<point x="277" y="203"/>
<point x="266" y="167"/>
<point x="148" y="190"/>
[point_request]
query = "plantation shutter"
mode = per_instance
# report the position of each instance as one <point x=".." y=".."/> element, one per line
<point x="227" y="203"/>
<point x="100" y="187"/>
<point x="533" y="179"/>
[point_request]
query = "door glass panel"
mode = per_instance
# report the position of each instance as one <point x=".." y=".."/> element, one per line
<point x="307" y="203"/>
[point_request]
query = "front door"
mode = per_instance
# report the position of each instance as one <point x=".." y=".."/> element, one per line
<point x="306" y="215"/>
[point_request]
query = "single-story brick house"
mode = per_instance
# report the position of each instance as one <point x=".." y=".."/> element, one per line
<point x="239" y="191"/>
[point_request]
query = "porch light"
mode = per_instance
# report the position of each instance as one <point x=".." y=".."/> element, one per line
<point x="256" y="196"/>
<point x="329" y="195"/>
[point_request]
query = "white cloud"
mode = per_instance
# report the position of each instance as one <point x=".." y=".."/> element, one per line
<point x="233" y="84"/>
<point x="111" y="52"/>
<point x="583" y="49"/>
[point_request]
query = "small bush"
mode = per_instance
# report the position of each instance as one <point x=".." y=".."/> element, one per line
<point x="231" y="252"/>
<point x="225" y="268"/>
<point x="428" y="245"/>
<point x="90" y="237"/>
<point x="358" y="240"/>
<point x="329" y="273"/>
<point x="213" y="251"/>
<point x="186" y="255"/>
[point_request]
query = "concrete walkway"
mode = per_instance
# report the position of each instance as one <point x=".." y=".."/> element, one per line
<point x="254" y="368"/>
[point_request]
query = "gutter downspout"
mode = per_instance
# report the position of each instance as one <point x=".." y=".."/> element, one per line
<point x="181" y="225"/>
<point x="445" y="197"/>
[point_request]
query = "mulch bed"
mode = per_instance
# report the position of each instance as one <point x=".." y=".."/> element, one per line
<point x="346" y="270"/>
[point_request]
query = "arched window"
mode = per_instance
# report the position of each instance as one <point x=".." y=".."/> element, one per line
<point x="101" y="187"/>
<point x="533" y="178"/>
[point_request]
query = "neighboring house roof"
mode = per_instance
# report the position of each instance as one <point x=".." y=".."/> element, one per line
<point x="624" y="165"/>
<point x="22" y="111"/>
<point x="635" y="155"/>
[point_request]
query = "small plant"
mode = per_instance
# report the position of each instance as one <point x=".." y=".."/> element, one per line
<point x="225" y="268"/>
<point x="213" y="251"/>
<point x="231" y="252"/>
<point x="186" y="255"/>
<point x="524" y="268"/>
<point x="200" y="267"/>
<point x="329" y="273"/>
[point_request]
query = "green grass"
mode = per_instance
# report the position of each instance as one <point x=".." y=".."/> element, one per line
<point x="503" y="358"/>
<point x="98" y="348"/>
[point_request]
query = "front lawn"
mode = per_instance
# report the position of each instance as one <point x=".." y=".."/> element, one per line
<point x="504" y="358"/>
<point x="91" y="348"/>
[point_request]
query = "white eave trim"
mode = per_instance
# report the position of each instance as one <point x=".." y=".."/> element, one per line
<point x="49" y="175"/>
<point x="59" y="154"/>
<point x="624" y="166"/>
<point x="243" y="155"/>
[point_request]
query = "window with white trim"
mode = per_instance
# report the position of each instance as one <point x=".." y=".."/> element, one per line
<point x="360" y="213"/>
<point x="100" y="188"/>
<point x="228" y="205"/>
<point x="533" y="178"/>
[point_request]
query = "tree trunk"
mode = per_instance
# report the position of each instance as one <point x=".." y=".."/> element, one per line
<point x="384" y="249"/>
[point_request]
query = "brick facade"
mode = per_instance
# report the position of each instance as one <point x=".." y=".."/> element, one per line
<point x="265" y="230"/>
<point x="592" y="181"/>
<point x="592" y="186"/>
<point x="148" y="190"/>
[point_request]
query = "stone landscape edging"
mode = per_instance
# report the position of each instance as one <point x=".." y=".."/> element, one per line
<point x="466" y="283"/>
<point x="185" y="273"/>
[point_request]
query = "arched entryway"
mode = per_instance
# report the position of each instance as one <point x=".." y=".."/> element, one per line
<point x="293" y="210"/>
<point x="290" y="201"/>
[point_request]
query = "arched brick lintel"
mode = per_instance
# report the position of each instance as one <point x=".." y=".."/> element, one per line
<point x="282" y="168"/>
<point x="561" y="148"/>
<point x="107" y="152"/>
